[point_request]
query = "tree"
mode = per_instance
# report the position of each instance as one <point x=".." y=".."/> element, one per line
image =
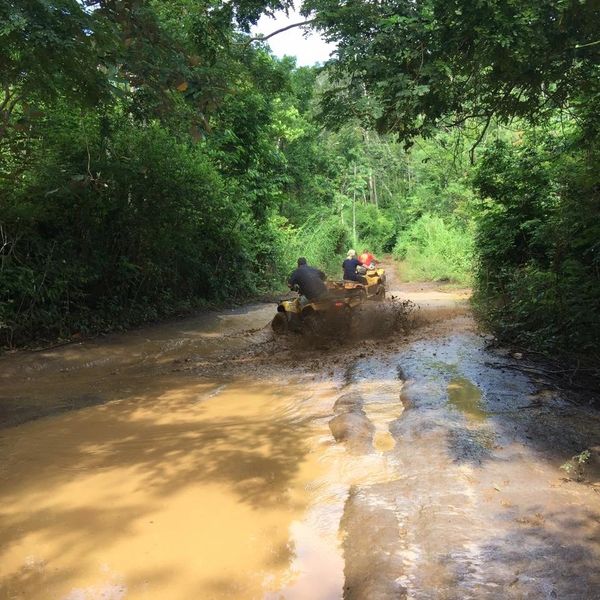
<point x="411" y="66"/>
<point x="49" y="49"/>
<point x="147" y="52"/>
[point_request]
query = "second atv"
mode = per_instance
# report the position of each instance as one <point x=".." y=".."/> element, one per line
<point x="373" y="287"/>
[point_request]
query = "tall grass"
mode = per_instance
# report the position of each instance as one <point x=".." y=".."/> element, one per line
<point x="323" y="240"/>
<point x="433" y="249"/>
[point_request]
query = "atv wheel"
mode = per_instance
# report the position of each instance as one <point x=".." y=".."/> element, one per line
<point x="279" y="324"/>
<point x="380" y="295"/>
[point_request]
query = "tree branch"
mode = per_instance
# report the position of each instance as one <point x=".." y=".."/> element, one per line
<point x="262" y="38"/>
<point x="577" y="46"/>
<point x="6" y="111"/>
<point x="7" y="97"/>
<point x="465" y="118"/>
<point x="478" y="141"/>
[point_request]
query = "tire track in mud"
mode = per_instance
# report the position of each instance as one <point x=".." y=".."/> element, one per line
<point x="369" y="525"/>
<point x="460" y="505"/>
<point x="393" y="527"/>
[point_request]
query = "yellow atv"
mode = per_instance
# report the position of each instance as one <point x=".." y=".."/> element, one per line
<point x="331" y="313"/>
<point x="373" y="287"/>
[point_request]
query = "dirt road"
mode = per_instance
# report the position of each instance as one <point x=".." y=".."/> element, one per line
<point x="206" y="459"/>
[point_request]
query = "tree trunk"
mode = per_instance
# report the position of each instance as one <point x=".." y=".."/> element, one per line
<point x="354" y="209"/>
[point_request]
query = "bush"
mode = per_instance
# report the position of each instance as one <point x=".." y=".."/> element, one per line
<point x="375" y="229"/>
<point x="114" y="229"/>
<point x="323" y="240"/>
<point x="538" y="276"/>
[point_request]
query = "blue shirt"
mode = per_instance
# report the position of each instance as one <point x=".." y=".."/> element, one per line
<point x="349" y="266"/>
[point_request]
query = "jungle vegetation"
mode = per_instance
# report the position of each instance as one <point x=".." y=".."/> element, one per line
<point x="155" y="158"/>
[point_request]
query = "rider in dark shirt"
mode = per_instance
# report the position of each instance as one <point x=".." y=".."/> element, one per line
<point x="349" y="266"/>
<point x="309" y="280"/>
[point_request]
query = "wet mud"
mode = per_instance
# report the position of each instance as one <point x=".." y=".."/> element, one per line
<point x="208" y="459"/>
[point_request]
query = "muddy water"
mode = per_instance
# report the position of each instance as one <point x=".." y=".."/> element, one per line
<point x="197" y="491"/>
<point x="201" y="464"/>
<point x="177" y="484"/>
<point x="36" y="384"/>
<point x="477" y="506"/>
<point x="465" y="396"/>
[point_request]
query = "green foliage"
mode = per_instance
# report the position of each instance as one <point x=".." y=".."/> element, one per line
<point x="375" y="228"/>
<point x="538" y="277"/>
<point x="119" y="229"/>
<point x="409" y="66"/>
<point x="152" y="159"/>
<point x="323" y="240"/>
<point x="150" y="55"/>
<point x="49" y="47"/>
<point x="142" y="161"/>
<point x="438" y="171"/>
<point x="414" y="68"/>
<point x="434" y="249"/>
<point x="110" y="216"/>
<point x="575" y="467"/>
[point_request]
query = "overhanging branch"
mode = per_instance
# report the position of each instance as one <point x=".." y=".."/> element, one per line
<point x="577" y="46"/>
<point x="262" y="38"/>
<point x="480" y="138"/>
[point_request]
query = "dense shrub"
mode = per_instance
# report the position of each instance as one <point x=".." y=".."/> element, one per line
<point x="375" y="229"/>
<point x="323" y="240"/>
<point x="538" y="240"/>
<point x="114" y="229"/>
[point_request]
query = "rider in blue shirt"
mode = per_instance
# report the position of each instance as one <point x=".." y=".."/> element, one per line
<point x="349" y="266"/>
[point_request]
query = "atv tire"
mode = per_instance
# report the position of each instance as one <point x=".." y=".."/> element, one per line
<point x="279" y="324"/>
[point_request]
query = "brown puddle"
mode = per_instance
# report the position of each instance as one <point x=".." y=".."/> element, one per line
<point x="466" y="397"/>
<point x="182" y="487"/>
<point x="184" y="483"/>
<point x="202" y="491"/>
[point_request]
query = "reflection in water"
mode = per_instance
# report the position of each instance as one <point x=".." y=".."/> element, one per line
<point x="466" y="397"/>
<point x="191" y="492"/>
<point x="383" y="441"/>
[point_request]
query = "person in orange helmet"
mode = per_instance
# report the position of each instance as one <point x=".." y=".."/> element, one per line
<point x="367" y="259"/>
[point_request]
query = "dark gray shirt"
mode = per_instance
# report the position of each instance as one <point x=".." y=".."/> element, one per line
<point x="309" y="280"/>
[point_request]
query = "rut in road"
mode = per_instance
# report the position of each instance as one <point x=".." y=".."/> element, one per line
<point x="474" y="508"/>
